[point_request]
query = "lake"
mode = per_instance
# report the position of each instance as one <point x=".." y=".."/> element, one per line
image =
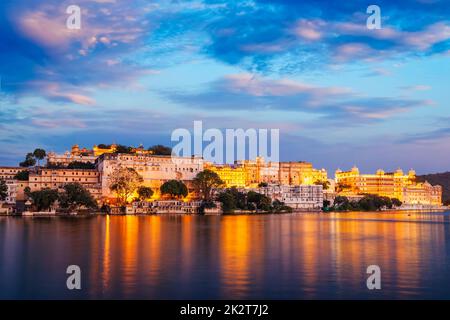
<point x="286" y="256"/>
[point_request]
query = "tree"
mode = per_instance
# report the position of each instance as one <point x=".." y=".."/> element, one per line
<point x="3" y="190"/>
<point x="262" y="185"/>
<point x="228" y="201"/>
<point x="29" y="161"/>
<point x="76" y="196"/>
<point x="124" y="182"/>
<point x="342" y="186"/>
<point x="44" y="199"/>
<point x="341" y="203"/>
<point x="325" y="184"/>
<point x="174" y="188"/>
<point x="22" y="175"/>
<point x="161" y="150"/>
<point x="39" y="154"/>
<point x="261" y="201"/>
<point x="123" y="149"/>
<point x="205" y="181"/>
<point x="396" y="202"/>
<point x="144" y="193"/>
<point x="80" y="165"/>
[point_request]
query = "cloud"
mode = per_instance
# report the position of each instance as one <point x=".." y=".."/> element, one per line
<point x="426" y="137"/>
<point x="419" y="87"/>
<point x="45" y="58"/>
<point x="239" y="92"/>
<point x="290" y="36"/>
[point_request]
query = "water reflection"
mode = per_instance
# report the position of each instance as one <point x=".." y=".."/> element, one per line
<point x="268" y="256"/>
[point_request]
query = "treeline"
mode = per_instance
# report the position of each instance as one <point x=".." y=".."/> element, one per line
<point x="368" y="202"/>
<point x="72" y="165"/>
<point x="233" y="199"/>
<point x="72" y="197"/>
<point x="157" y="149"/>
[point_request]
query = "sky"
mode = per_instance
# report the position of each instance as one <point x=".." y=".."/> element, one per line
<point x="341" y="94"/>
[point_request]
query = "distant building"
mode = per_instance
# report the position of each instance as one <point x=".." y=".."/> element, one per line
<point x="154" y="169"/>
<point x="57" y="178"/>
<point x="391" y="184"/>
<point x="300" y="197"/>
<point x="12" y="192"/>
<point x="231" y="175"/>
<point x="422" y="194"/>
<point x="10" y="172"/>
<point x="75" y="155"/>
<point x="297" y="173"/>
<point x="284" y="173"/>
<point x="164" y="206"/>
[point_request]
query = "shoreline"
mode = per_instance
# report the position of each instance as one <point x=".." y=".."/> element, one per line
<point x="239" y="213"/>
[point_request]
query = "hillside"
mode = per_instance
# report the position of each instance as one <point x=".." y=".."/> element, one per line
<point x="442" y="179"/>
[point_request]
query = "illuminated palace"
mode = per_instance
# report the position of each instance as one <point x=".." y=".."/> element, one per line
<point x="250" y="173"/>
<point x="85" y="155"/>
<point x="390" y="184"/>
<point x="154" y="169"/>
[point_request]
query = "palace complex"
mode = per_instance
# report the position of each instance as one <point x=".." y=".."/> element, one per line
<point x="298" y="184"/>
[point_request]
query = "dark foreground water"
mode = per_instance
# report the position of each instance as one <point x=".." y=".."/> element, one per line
<point x="300" y="256"/>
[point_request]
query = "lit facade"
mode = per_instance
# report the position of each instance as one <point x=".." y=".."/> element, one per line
<point x="423" y="194"/>
<point x="155" y="170"/>
<point x="231" y="175"/>
<point x="300" y="197"/>
<point x="7" y="173"/>
<point x="284" y="173"/>
<point x="76" y="154"/>
<point x="392" y="184"/>
<point x="11" y="193"/>
<point x="57" y="178"/>
<point x="298" y="173"/>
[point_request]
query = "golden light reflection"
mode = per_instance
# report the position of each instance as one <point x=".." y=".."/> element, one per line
<point x="312" y="253"/>
<point x="235" y="252"/>
<point x="107" y="254"/>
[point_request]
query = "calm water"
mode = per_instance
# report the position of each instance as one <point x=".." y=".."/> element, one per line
<point x="301" y="256"/>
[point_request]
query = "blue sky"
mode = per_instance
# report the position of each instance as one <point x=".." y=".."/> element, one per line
<point x="340" y="94"/>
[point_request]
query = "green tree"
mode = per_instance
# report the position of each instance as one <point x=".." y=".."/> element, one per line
<point x="27" y="191"/>
<point x="144" y="193"/>
<point x="124" y="182"/>
<point x="396" y="202"/>
<point x="262" y="185"/>
<point x="124" y="149"/>
<point x="3" y="190"/>
<point x="161" y="150"/>
<point x="262" y="202"/>
<point x="39" y="154"/>
<point x="325" y="184"/>
<point x="29" y="161"/>
<point x="80" y="165"/>
<point x="22" y="175"/>
<point x="205" y="181"/>
<point x="174" y="188"/>
<point x="44" y="199"/>
<point x="228" y="201"/>
<point x="75" y="196"/>
<point x="341" y="203"/>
